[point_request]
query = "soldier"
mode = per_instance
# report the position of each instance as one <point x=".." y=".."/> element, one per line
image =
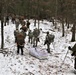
<point x="15" y="34"/>
<point x="23" y="22"/>
<point x="24" y="28"/>
<point x="48" y="40"/>
<point x="13" y="18"/>
<point x="36" y="34"/>
<point x="20" y="43"/>
<point x="28" y="23"/>
<point x="24" y="33"/>
<point x="30" y="34"/>
<point x="73" y="49"/>
<point x="7" y="20"/>
<point x="17" y="23"/>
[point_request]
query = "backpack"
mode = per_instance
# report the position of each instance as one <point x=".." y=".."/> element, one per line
<point x="36" y="32"/>
<point x="51" y="38"/>
<point x="24" y="28"/>
<point x="20" y="39"/>
<point x="31" y="35"/>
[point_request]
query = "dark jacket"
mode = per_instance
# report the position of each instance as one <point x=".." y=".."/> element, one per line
<point x="73" y="49"/>
<point x="49" y="39"/>
<point x="24" y="28"/>
<point x="36" y="32"/>
<point x="20" y="39"/>
<point x="28" y="23"/>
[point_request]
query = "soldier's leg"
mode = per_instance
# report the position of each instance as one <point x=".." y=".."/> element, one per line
<point x="21" y="50"/>
<point x="31" y="40"/>
<point x="45" y="42"/>
<point x="16" y="26"/>
<point x="18" y="49"/>
<point x="34" y="42"/>
<point x="48" y="48"/>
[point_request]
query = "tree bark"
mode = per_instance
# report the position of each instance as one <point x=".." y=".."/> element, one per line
<point x="62" y="28"/>
<point x="2" y="35"/>
<point x="73" y="33"/>
<point x="68" y="24"/>
<point x="35" y="22"/>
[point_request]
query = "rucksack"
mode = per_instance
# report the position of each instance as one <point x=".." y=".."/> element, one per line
<point x="24" y="28"/>
<point x="31" y="35"/>
<point x="36" y="32"/>
<point x="51" y="38"/>
<point x="20" y="39"/>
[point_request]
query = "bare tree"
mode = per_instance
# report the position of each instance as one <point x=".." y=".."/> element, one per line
<point x="73" y="32"/>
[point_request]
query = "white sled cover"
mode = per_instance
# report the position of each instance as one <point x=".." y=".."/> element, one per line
<point x="38" y="53"/>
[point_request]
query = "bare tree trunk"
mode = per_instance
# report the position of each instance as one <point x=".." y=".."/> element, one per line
<point x="73" y="33"/>
<point x="35" y="22"/>
<point x="62" y="28"/>
<point x="56" y="14"/>
<point x="2" y="35"/>
<point x="38" y="12"/>
<point x="68" y="24"/>
<point x="38" y="23"/>
<point x="2" y="28"/>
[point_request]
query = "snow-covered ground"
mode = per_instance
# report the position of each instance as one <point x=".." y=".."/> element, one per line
<point x="13" y="64"/>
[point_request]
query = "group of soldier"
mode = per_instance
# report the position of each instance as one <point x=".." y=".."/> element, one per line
<point x="20" y="34"/>
<point x="33" y="36"/>
<point x="20" y="38"/>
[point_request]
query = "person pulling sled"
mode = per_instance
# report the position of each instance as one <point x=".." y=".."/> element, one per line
<point x="48" y="40"/>
<point x="73" y="49"/>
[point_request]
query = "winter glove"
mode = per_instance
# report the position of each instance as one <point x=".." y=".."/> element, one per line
<point x="69" y="48"/>
<point x="73" y="54"/>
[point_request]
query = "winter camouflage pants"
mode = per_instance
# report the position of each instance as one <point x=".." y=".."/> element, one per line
<point x="35" y="41"/>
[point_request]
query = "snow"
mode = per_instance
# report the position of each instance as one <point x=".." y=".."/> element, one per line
<point x="13" y="64"/>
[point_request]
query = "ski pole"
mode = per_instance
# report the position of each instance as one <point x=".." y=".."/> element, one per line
<point x="64" y="58"/>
